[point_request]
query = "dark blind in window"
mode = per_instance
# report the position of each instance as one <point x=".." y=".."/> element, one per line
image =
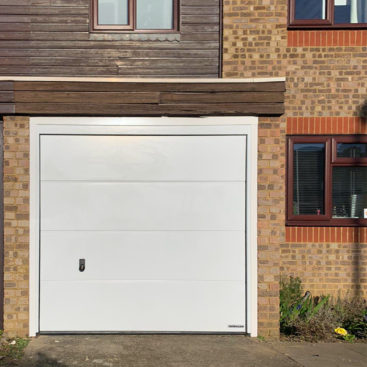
<point x="349" y="192"/>
<point x="310" y="9"/>
<point x="308" y="179"/>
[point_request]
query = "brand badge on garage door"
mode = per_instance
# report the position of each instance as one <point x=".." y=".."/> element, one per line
<point x="236" y="326"/>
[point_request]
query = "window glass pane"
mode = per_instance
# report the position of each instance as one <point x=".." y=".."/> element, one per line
<point x="113" y="12"/>
<point x="308" y="179"/>
<point x="310" y="9"/>
<point x="350" y="11"/>
<point x="154" y="14"/>
<point x="352" y="150"/>
<point x="349" y="192"/>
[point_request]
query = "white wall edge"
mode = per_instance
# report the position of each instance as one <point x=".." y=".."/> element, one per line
<point x="145" y="121"/>
<point x="150" y="126"/>
<point x="251" y="235"/>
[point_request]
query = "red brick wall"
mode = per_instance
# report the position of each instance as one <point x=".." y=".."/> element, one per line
<point x="318" y="38"/>
<point x="16" y="225"/>
<point x="324" y="79"/>
<point x="326" y="125"/>
<point x="271" y="172"/>
<point x="329" y="260"/>
<point x="326" y="235"/>
<point x="326" y="73"/>
<point x="255" y="38"/>
<point x="326" y="93"/>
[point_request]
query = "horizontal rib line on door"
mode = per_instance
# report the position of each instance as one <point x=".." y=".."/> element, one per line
<point x="144" y="280"/>
<point x="142" y="230"/>
<point x="142" y="181"/>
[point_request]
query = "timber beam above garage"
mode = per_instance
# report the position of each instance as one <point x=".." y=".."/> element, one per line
<point x="141" y="97"/>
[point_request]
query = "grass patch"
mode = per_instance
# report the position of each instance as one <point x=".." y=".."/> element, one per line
<point x="12" y="350"/>
<point x="309" y="318"/>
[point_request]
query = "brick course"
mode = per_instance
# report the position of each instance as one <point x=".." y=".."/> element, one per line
<point x="326" y="125"/>
<point x="326" y="234"/>
<point x="318" y="38"/>
<point x="16" y="225"/>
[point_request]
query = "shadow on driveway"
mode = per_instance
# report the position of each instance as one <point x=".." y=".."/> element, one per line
<point x="41" y="360"/>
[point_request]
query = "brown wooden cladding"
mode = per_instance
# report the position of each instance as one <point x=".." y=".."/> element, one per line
<point x="7" y="105"/>
<point x="141" y="98"/>
<point x="53" y="38"/>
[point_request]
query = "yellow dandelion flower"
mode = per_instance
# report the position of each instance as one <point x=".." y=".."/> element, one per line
<point x="341" y="331"/>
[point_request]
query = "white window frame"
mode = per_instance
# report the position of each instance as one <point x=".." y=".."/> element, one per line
<point x="146" y="125"/>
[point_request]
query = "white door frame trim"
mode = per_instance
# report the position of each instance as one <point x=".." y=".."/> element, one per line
<point x="146" y="126"/>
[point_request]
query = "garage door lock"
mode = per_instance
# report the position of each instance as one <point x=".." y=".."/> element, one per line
<point x="81" y="265"/>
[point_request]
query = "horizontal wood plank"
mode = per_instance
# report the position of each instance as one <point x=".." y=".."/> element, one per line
<point x="7" y="96"/>
<point x="60" y="28"/>
<point x="7" y="86"/>
<point x="99" y="98"/>
<point x="76" y="109"/>
<point x="7" y="108"/>
<point x="148" y="87"/>
<point x="141" y="98"/>
<point x="231" y="97"/>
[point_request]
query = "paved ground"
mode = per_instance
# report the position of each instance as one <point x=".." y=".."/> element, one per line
<point x="186" y="351"/>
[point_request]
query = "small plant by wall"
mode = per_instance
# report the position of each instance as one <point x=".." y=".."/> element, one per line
<point x="310" y="318"/>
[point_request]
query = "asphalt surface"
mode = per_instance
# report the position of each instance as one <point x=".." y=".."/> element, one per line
<point x="186" y="351"/>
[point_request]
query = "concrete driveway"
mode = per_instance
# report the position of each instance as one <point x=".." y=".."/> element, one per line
<point x="186" y="351"/>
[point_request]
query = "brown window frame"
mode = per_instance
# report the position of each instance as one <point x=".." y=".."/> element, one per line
<point x="331" y="160"/>
<point x="327" y="23"/>
<point x="131" y="26"/>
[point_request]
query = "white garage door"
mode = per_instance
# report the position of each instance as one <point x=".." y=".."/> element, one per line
<point x="158" y="221"/>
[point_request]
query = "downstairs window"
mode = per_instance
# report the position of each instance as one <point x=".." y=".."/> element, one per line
<point x="327" y="13"/>
<point x="327" y="180"/>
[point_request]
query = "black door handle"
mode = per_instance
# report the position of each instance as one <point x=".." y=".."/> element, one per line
<point x="81" y="265"/>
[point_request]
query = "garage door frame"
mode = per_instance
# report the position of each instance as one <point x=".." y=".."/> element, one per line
<point x="146" y="126"/>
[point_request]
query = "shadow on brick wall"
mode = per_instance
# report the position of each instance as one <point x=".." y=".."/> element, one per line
<point x="357" y="246"/>
<point x="362" y="111"/>
<point x="356" y="264"/>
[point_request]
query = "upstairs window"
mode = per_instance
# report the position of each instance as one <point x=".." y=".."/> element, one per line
<point x="146" y="16"/>
<point x="327" y="13"/>
<point x="327" y="180"/>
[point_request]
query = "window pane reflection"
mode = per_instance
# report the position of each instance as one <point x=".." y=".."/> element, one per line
<point x="350" y="11"/>
<point x="157" y="14"/>
<point x="113" y="12"/>
<point x="310" y="9"/>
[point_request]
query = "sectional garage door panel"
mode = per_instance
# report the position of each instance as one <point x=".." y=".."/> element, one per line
<point x="143" y="158"/>
<point x="143" y="306"/>
<point x="133" y="255"/>
<point x="160" y="222"/>
<point x="161" y="206"/>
